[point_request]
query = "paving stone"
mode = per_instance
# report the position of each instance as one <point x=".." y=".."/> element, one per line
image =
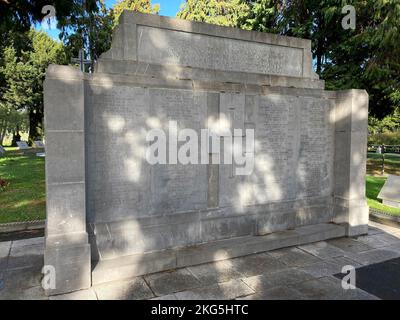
<point x="268" y="281"/>
<point x="373" y="230"/>
<point x="34" y="293"/>
<point x="391" y="239"/>
<point x="375" y="256"/>
<point x="321" y="269"/>
<point x="34" y="249"/>
<point x="257" y="264"/>
<point x="211" y="273"/>
<point x="27" y="261"/>
<point x="374" y="241"/>
<point x="3" y="264"/>
<point x="5" y="249"/>
<point x="26" y="256"/>
<point x="277" y="293"/>
<point x="294" y="257"/>
<point x="22" y="278"/>
<point x="383" y="228"/>
<point x="349" y="245"/>
<point x="323" y="250"/>
<point x="135" y="289"/>
<point x="28" y="242"/>
<point x="166" y="297"/>
<point x="88" y="294"/>
<point x="329" y="288"/>
<point x="221" y="291"/>
<point x="163" y="283"/>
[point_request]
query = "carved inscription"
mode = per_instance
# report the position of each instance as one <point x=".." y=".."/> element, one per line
<point x="316" y="151"/>
<point x="118" y="173"/>
<point x="162" y="46"/>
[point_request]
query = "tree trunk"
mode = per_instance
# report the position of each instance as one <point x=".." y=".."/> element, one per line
<point x="3" y="132"/>
<point x="16" y="137"/>
<point x="35" y="125"/>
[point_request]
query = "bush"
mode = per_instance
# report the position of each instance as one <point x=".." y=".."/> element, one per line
<point x="387" y="138"/>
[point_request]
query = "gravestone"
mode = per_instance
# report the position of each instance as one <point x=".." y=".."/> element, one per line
<point x="112" y="214"/>
<point x="2" y="150"/>
<point x="22" y="145"/>
<point x="390" y="192"/>
<point x="39" y="144"/>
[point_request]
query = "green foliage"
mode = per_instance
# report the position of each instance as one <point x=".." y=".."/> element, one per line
<point x="220" y="12"/>
<point x="144" y="6"/>
<point x="387" y="138"/>
<point x="365" y="58"/>
<point x="88" y="27"/>
<point x="23" y="75"/>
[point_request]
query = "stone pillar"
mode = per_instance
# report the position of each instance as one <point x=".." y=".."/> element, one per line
<point x="67" y="248"/>
<point x="351" y="131"/>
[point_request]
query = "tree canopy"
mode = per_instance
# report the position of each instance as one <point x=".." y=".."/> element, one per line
<point x="367" y="57"/>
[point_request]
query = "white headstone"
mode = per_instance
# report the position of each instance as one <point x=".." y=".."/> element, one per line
<point x="379" y="150"/>
<point x="390" y="192"/>
<point x="39" y="144"/>
<point x="22" y="145"/>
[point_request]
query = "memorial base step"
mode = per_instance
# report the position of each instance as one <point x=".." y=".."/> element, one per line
<point x="127" y="267"/>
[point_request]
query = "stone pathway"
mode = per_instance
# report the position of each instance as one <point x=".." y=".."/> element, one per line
<point x="303" y="272"/>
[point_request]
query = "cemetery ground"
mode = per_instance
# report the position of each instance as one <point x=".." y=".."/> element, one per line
<point x="24" y="198"/>
<point x="375" y="180"/>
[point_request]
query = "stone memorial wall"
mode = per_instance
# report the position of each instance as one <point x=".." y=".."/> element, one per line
<point x="111" y="214"/>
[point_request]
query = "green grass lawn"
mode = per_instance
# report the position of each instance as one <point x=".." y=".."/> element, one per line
<point x="374" y="185"/>
<point x="392" y="163"/>
<point x="24" y="198"/>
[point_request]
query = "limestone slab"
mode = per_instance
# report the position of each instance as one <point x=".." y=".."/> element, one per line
<point x="221" y="291"/>
<point x="211" y="273"/>
<point x="135" y="289"/>
<point x="391" y="191"/>
<point x="293" y="257"/>
<point x="322" y="250"/>
<point x="257" y="264"/>
<point x="171" y="281"/>
<point x="88" y="294"/>
<point x="5" y="249"/>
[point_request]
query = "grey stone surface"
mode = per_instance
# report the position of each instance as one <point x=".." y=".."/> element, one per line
<point x="220" y="280"/>
<point x="5" y="248"/>
<point x="349" y="245"/>
<point x="322" y="250"/>
<point x="88" y="294"/>
<point x="390" y="192"/>
<point x="135" y="289"/>
<point x="327" y="267"/>
<point x="293" y="257"/>
<point x="329" y="288"/>
<point x="375" y="255"/>
<point x="257" y="264"/>
<point x="171" y="281"/>
<point x="271" y="280"/>
<point x="139" y="218"/>
<point x="276" y="293"/>
<point x="222" y="291"/>
<point x="211" y="273"/>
